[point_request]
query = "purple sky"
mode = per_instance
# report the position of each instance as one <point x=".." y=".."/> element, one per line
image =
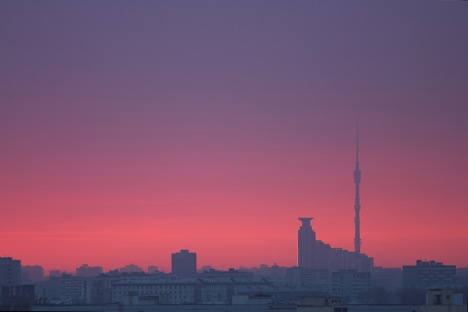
<point x="171" y="117"/>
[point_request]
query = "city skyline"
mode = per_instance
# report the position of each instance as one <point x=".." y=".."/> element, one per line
<point x="130" y="132"/>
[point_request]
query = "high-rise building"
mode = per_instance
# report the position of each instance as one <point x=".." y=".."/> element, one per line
<point x="317" y="255"/>
<point x="10" y="271"/>
<point x="184" y="263"/>
<point x="305" y="242"/>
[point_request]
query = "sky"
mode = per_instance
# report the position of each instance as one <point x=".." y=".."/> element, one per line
<point x="132" y="129"/>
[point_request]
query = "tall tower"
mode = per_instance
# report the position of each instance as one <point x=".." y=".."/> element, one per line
<point x="305" y="241"/>
<point x="357" y="203"/>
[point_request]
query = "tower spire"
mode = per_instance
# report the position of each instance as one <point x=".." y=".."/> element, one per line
<point x="357" y="140"/>
<point x="357" y="202"/>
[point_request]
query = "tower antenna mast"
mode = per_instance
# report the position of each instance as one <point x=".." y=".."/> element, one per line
<point x="357" y="202"/>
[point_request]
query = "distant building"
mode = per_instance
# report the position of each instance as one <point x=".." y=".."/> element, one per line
<point x="88" y="271"/>
<point x="131" y="268"/>
<point x="10" y="271"/>
<point x="55" y="273"/>
<point x="437" y="300"/>
<point x="184" y="263"/>
<point x="74" y="289"/>
<point x="152" y="269"/>
<point x="171" y="290"/>
<point x="389" y="278"/>
<point x="316" y="280"/>
<point x="350" y="283"/>
<point x="429" y="274"/>
<point x="305" y="241"/>
<point x="316" y="255"/>
<point x="206" y="268"/>
<point x="49" y="289"/>
<point x="32" y="274"/>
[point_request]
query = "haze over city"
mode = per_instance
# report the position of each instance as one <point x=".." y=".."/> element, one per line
<point x="131" y="130"/>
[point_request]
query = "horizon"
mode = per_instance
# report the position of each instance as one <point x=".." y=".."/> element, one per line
<point x="130" y="132"/>
<point x="200" y="268"/>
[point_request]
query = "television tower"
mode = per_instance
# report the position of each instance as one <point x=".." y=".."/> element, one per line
<point x="357" y="203"/>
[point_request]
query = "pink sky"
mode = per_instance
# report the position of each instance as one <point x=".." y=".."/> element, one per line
<point x="129" y="133"/>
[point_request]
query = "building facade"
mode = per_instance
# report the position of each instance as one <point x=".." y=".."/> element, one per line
<point x="184" y="263"/>
<point x="350" y="283"/>
<point x="429" y="274"/>
<point x="10" y="271"/>
<point x="317" y="255"/>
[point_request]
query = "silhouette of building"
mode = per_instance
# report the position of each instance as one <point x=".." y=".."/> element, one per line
<point x="131" y="268"/>
<point x="388" y="278"/>
<point x="16" y="297"/>
<point x="74" y="289"/>
<point x="88" y="271"/>
<point x="318" y="281"/>
<point x="32" y="274"/>
<point x="10" y="271"/>
<point x="429" y="274"/>
<point x="184" y="263"/>
<point x="55" y="273"/>
<point x="317" y="255"/>
<point x="305" y="241"/>
<point x="171" y="290"/>
<point x="350" y="283"/>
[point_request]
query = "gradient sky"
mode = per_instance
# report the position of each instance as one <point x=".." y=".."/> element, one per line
<point x="130" y="130"/>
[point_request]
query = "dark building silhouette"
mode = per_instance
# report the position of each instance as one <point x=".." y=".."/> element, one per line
<point x="55" y="273"/>
<point x="388" y="278"/>
<point x="350" y="283"/>
<point x="429" y="274"/>
<point x="32" y="274"/>
<point x="131" y="268"/>
<point x="10" y="271"/>
<point x="318" y="281"/>
<point x="184" y="263"/>
<point x="317" y="255"/>
<point x="305" y="240"/>
<point x="16" y="297"/>
<point x="88" y="271"/>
